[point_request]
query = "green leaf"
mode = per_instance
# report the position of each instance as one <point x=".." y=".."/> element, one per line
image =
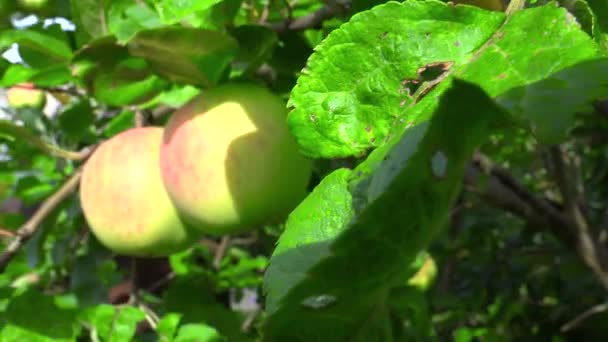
<point x="600" y="9"/>
<point x="113" y="323"/>
<point x="126" y="18"/>
<point x="171" y="11"/>
<point x="113" y="76"/>
<point x="185" y="55"/>
<point x="53" y="48"/>
<point x="552" y="103"/>
<point x="256" y="44"/>
<point x="385" y="237"/>
<point x="91" y="15"/>
<point x="386" y="67"/>
<point x="190" y="297"/>
<point x="10" y="130"/>
<point x="121" y="122"/>
<point x="309" y="230"/>
<point x="167" y="326"/>
<point x="131" y="82"/>
<point x="197" y="333"/>
<point x="77" y="120"/>
<point x="15" y="74"/>
<point x="32" y="316"/>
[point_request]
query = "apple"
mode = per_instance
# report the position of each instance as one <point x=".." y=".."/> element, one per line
<point x="124" y="200"/>
<point x="229" y="162"/>
<point x="25" y="95"/>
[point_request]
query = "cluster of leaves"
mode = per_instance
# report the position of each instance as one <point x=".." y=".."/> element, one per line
<point x="392" y="100"/>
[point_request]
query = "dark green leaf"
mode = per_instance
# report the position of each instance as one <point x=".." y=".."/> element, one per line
<point x="190" y="296"/>
<point x="552" y="103"/>
<point x="185" y="55"/>
<point x="76" y="120"/>
<point x="256" y="44"/>
<point x="32" y="316"/>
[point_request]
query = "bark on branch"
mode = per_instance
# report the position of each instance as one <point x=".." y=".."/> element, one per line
<point x="29" y="228"/>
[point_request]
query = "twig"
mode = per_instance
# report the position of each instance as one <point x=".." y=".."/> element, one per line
<point x="7" y="233"/>
<point x="514" y="6"/>
<point x="140" y="119"/>
<point x="29" y="228"/>
<point x="31" y="138"/>
<point x="506" y="192"/>
<point x="312" y="20"/>
<point x="583" y="316"/>
<point x="569" y="188"/>
<point x="248" y="322"/>
<point x="220" y="251"/>
<point x="160" y="282"/>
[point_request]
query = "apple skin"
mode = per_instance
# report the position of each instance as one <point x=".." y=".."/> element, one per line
<point x="124" y="200"/>
<point x="25" y="95"/>
<point x="229" y="162"/>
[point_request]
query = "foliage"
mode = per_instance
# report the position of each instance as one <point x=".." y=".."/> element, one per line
<point x="470" y="137"/>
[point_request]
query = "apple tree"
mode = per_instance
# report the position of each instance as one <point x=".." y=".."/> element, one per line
<point x="300" y="170"/>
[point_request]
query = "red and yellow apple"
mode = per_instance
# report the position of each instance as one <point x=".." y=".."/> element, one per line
<point x="124" y="200"/>
<point x="229" y="162"/>
<point x="25" y="95"/>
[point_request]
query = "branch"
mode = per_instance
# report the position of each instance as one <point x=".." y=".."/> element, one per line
<point x="504" y="191"/>
<point x="29" y="228"/>
<point x="221" y="251"/>
<point x="312" y="20"/>
<point x="571" y="189"/>
<point x="583" y="316"/>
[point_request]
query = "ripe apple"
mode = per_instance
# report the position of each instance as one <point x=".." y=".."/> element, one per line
<point x="124" y="200"/>
<point x="229" y="162"/>
<point x="25" y="95"/>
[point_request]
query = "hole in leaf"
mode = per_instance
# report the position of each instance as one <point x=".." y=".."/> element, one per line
<point x="439" y="164"/>
<point x="319" y="302"/>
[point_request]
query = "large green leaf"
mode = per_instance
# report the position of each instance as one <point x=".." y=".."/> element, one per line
<point x="185" y="55"/>
<point x="53" y="48"/>
<point x="344" y="296"/>
<point x="113" y="76"/>
<point x="551" y="104"/>
<point x="369" y="78"/>
<point x="310" y="229"/>
<point x="32" y="316"/>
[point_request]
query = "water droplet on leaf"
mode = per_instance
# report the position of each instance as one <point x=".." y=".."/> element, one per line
<point x="439" y="164"/>
<point x="319" y="302"/>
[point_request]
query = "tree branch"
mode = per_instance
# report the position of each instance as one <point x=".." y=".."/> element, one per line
<point x="504" y="191"/>
<point x="583" y="316"/>
<point x="570" y="188"/>
<point x="29" y="228"/>
<point x="312" y="20"/>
